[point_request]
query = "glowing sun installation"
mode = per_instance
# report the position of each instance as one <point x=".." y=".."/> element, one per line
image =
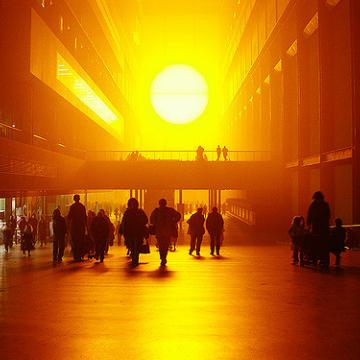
<point x="179" y="94"/>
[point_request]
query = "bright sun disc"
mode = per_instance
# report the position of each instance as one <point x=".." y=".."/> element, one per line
<point x="179" y="94"/>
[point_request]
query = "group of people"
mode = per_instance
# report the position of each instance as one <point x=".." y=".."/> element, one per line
<point x="164" y="225"/>
<point x="201" y="156"/>
<point x="31" y="231"/>
<point x="224" y="151"/>
<point x="214" y="225"/>
<point x="313" y="243"/>
<point x="91" y="234"/>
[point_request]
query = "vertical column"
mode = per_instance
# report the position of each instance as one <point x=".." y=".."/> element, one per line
<point x="141" y="199"/>
<point x="355" y="54"/>
<point x="131" y="193"/>
<point x="219" y="200"/>
<point x="181" y="206"/>
<point x="86" y="198"/>
<point x="7" y="208"/>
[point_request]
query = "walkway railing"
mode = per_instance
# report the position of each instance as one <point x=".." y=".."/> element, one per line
<point x="175" y="155"/>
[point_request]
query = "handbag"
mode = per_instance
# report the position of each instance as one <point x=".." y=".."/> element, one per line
<point x="144" y="248"/>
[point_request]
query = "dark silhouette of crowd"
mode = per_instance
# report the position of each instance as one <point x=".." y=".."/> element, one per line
<point x="201" y="156"/>
<point x="313" y="240"/>
<point x="90" y="234"/>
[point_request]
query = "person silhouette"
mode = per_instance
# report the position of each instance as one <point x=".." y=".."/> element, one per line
<point x="78" y="225"/>
<point x="218" y="152"/>
<point x="133" y="225"/>
<point x="338" y="235"/>
<point x="164" y="220"/>
<point x="215" y="228"/>
<point x="225" y="152"/>
<point x="297" y="235"/>
<point x="196" y="230"/>
<point x="318" y="218"/>
<point x="59" y="231"/>
<point x="100" y="232"/>
<point x="200" y="153"/>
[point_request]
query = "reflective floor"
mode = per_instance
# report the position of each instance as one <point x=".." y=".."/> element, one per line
<point x="250" y="303"/>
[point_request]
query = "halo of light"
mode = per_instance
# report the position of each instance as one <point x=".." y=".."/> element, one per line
<point x="179" y="94"/>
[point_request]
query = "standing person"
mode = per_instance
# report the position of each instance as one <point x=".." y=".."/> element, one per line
<point x="200" y="153"/>
<point x="34" y="223"/>
<point x="133" y="227"/>
<point x="338" y="236"/>
<point x="100" y="231"/>
<point x="225" y="152"/>
<point x="164" y="220"/>
<point x="22" y="224"/>
<point x="297" y="235"/>
<point x="196" y="230"/>
<point x="8" y="236"/>
<point x="111" y="229"/>
<point x="27" y="240"/>
<point x="78" y="222"/>
<point x="42" y="230"/>
<point x="318" y="221"/>
<point x="218" y="152"/>
<point x="89" y="238"/>
<point x="59" y="231"/>
<point x="12" y="223"/>
<point x="215" y="228"/>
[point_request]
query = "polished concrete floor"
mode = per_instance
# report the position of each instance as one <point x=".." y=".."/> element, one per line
<point x="250" y="303"/>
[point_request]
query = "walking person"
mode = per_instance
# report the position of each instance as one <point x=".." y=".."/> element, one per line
<point x="133" y="228"/>
<point x="78" y="224"/>
<point x="34" y="226"/>
<point x="27" y="240"/>
<point x="59" y="232"/>
<point x="22" y="225"/>
<point x="196" y="231"/>
<point x="89" y="238"/>
<point x="111" y="230"/>
<point x="225" y="153"/>
<point x="215" y="228"/>
<point x="8" y="236"/>
<point x="318" y="221"/>
<point x="13" y="224"/>
<point x="100" y="232"/>
<point x="164" y="221"/>
<point x="42" y="231"/>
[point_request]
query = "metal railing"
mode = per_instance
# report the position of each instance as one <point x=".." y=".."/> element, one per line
<point x="173" y="155"/>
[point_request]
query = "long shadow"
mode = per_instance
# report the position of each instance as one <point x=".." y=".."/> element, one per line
<point x="344" y="271"/>
<point x="134" y="271"/>
<point x="161" y="273"/>
<point x="219" y="257"/>
<point x="198" y="257"/>
<point x="70" y="267"/>
<point x="100" y="268"/>
<point x="348" y="270"/>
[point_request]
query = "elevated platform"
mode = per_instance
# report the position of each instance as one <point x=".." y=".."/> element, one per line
<point x="167" y="174"/>
<point x="27" y="169"/>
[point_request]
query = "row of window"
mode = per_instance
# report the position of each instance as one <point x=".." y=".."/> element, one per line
<point x="84" y="51"/>
<point x="250" y="39"/>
